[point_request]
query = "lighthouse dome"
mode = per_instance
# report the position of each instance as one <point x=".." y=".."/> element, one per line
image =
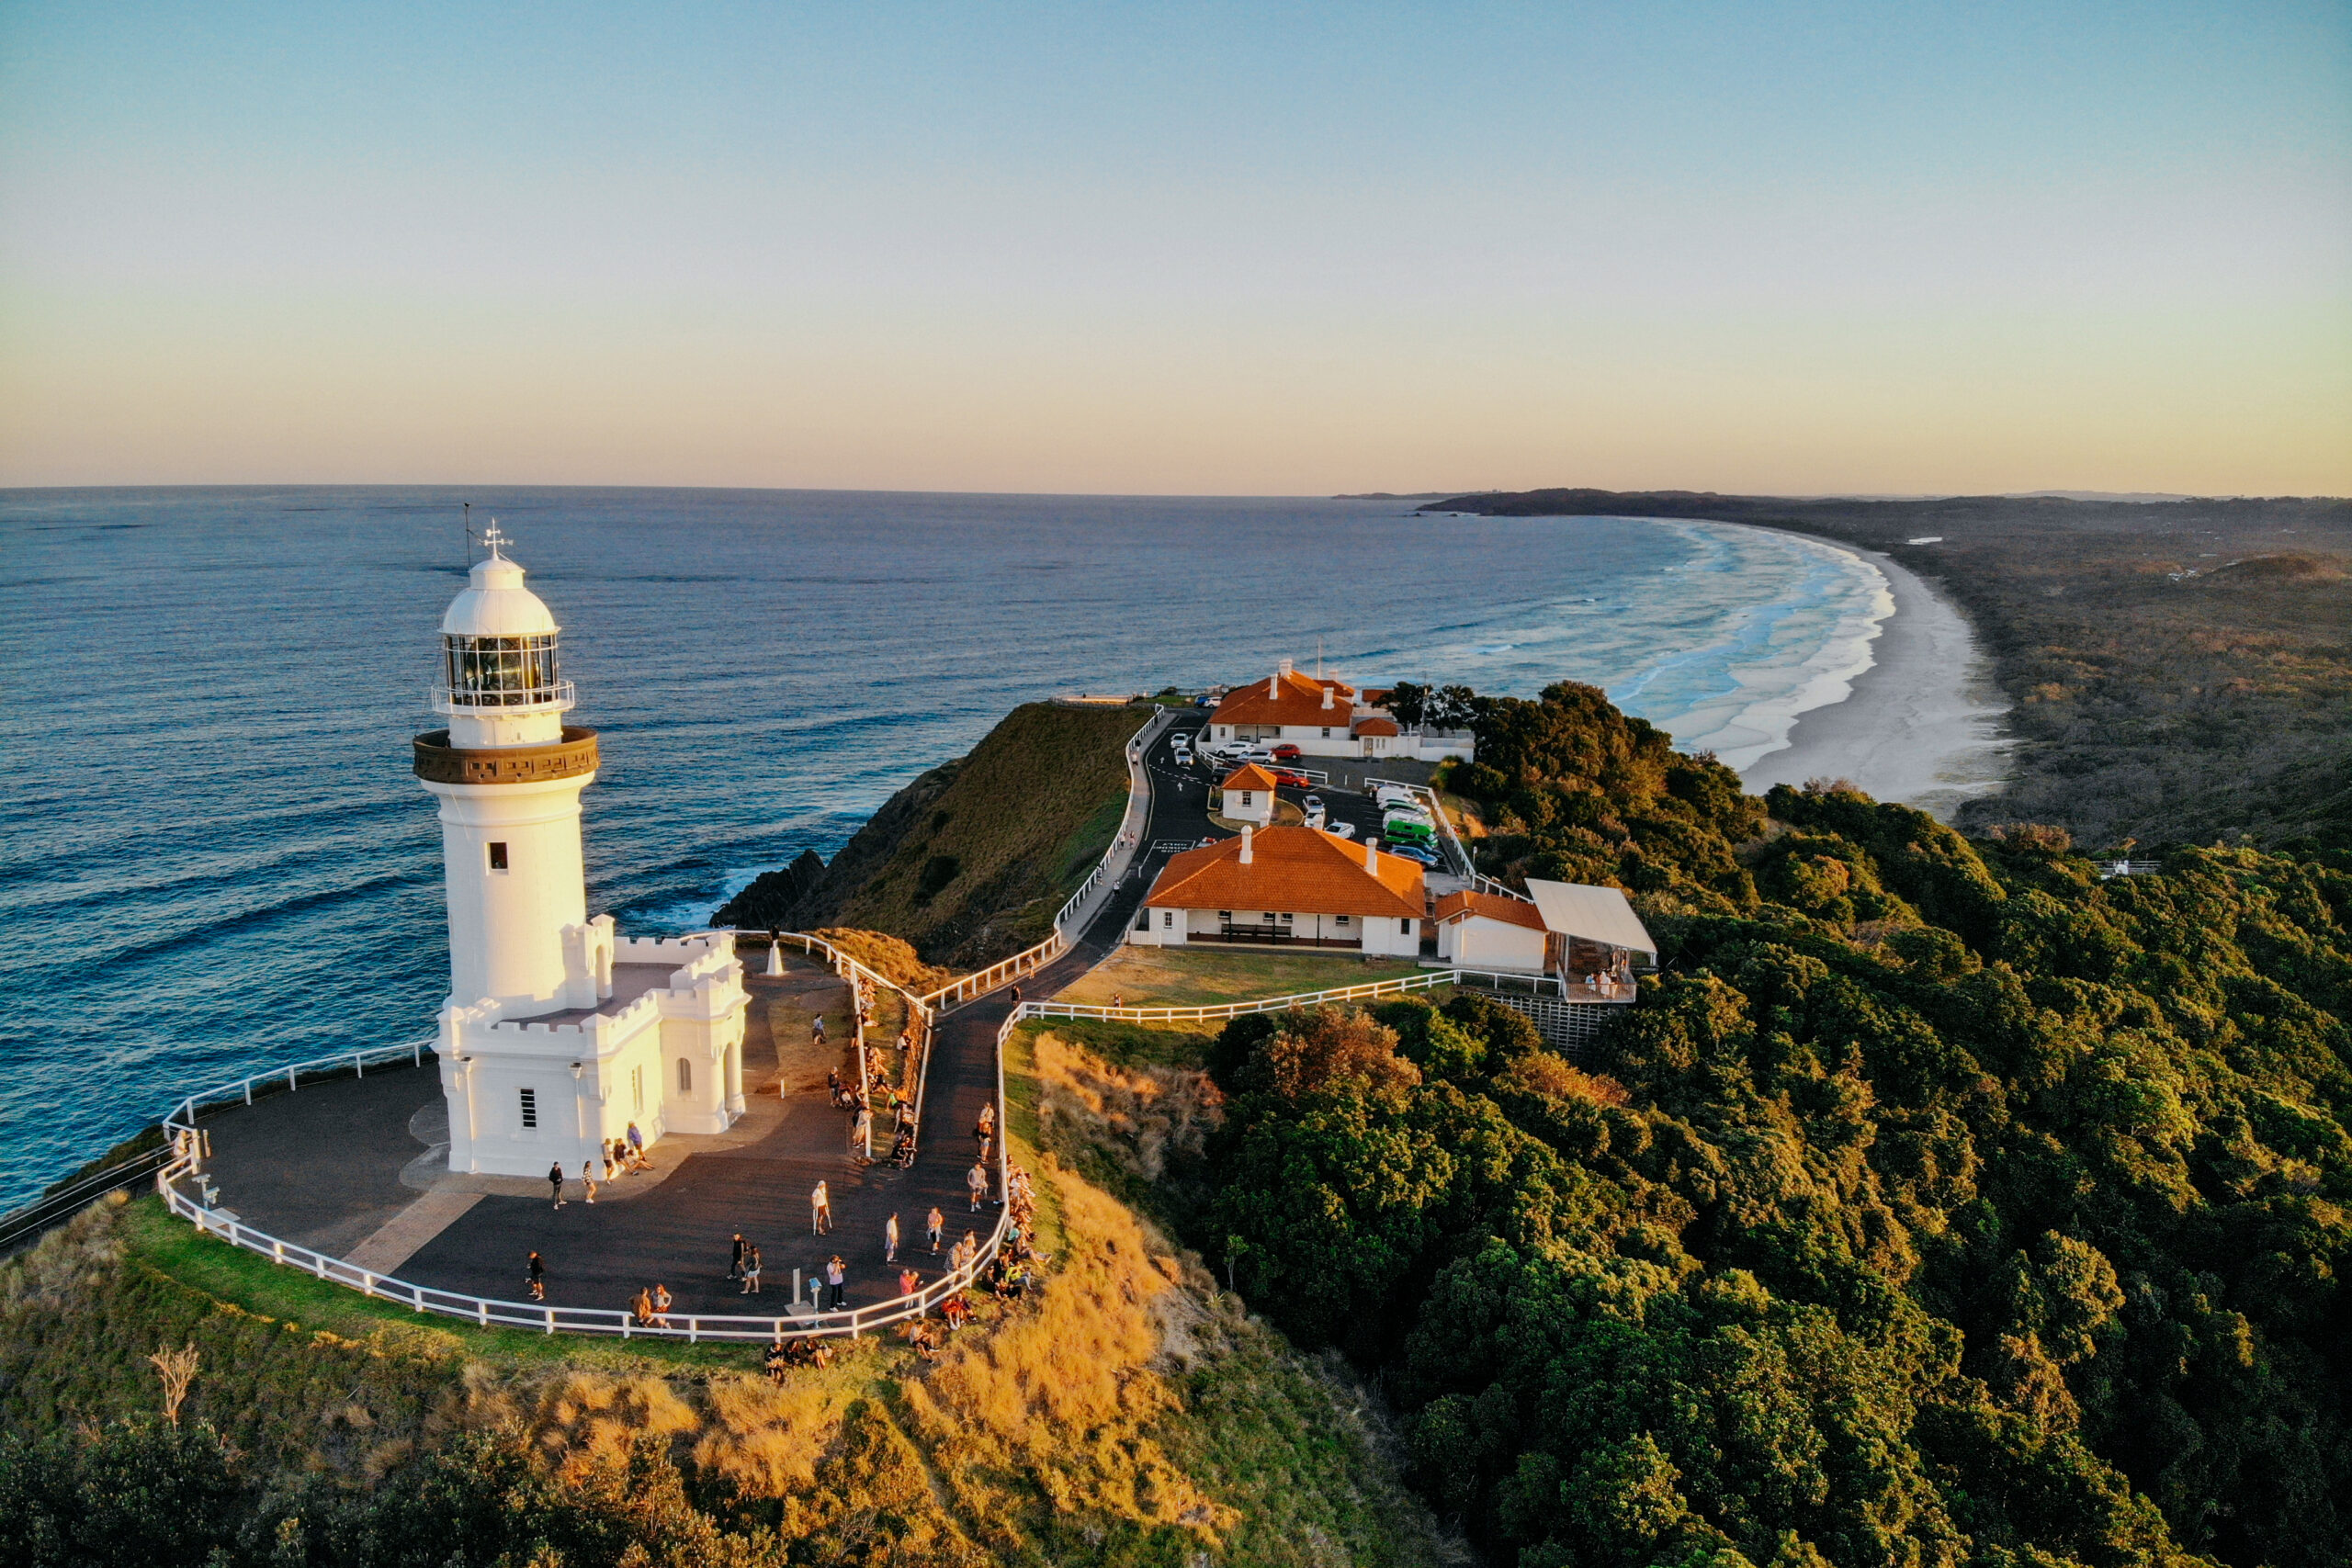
<point x="496" y="603"/>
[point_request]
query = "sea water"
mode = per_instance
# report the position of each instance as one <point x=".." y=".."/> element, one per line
<point x="213" y="857"/>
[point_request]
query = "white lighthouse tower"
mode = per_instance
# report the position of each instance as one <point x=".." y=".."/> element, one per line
<point x="619" y="1031"/>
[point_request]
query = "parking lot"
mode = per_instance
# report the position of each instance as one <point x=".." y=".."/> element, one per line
<point x="1345" y="798"/>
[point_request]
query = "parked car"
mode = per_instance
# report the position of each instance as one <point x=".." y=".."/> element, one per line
<point x="1310" y="804"/>
<point x="1314" y="817"/>
<point x="1419" y="819"/>
<point x="1294" y="780"/>
<point x="1341" y="830"/>
<point x="1286" y="753"/>
<point x="1420" y="853"/>
<point x="1407" y="833"/>
<point x="1389" y="795"/>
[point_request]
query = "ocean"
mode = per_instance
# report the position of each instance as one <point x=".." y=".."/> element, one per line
<point x="213" y="858"/>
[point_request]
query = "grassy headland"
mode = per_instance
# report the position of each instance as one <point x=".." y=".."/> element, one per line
<point x="969" y="862"/>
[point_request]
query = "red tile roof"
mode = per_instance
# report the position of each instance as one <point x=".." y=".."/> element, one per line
<point x="1298" y="871"/>
<point x="1249" y="775"/>
<point x="1288" y="699"/>
<point x="1375" y="727"/>
<point x="1510" y="911"/>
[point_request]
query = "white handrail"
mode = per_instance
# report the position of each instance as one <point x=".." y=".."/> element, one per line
<point x="1479" y="881"/>
<point x="1501" y="980"/>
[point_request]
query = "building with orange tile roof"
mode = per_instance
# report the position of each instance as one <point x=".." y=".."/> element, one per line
<point x="1291" y="888"/>
<point x="1248" y="796"/>
<point x="1324" y="717"/>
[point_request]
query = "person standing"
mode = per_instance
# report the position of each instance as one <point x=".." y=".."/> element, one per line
<point x="661" y="1299"/>
<point x="890" y="1240"/>
<point x="751" y="1271"/>
<point x="860" y="1127"/>
<point x="909" y="1282"/>
<point x="820" y="1211"/>
<point x="976" y="1182"/>
<point x="934" y="1224"/>
<point x="536" y="1272"/>
<point x="735" y="1261"/>
<point x="588" y="1179"/>
<point x="837" y="1278"/>
<point x="555" y="1183"/>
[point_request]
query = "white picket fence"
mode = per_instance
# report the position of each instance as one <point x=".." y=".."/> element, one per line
<point x="1488" y="979"/>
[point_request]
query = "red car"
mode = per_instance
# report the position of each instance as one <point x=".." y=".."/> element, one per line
<point x="1286" y="753"/>
<point x="1296" y="781"/>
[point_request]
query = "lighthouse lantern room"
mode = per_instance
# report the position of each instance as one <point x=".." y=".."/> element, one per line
<point x="558" y="1033"/>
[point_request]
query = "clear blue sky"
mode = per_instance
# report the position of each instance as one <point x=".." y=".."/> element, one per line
<point x="1181" y="248"/>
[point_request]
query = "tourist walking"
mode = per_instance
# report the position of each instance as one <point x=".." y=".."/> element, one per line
<point x="555" y="1183"/>
<point x="612" y="1165"/>
<point x="890" y="1240"/>
<point x="588" y="1179"/>
<point x="976" y="1182"/>
<point x="934" y="1224"/>
<point x="985" y="1128"/>
<point x="751" y="1272"/>
<point x="735" y="1260"/>
<point x="820" y="1211"/>
<point x="909" y="1282"/>
<point x="817" y="1029"/>
<point x="535" y="1272"/>
<point x="837" y="1277"/>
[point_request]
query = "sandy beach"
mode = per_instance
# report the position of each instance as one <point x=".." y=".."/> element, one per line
<point x="1921" y="726"/>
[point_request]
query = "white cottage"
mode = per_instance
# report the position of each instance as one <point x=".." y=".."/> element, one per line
<point x="1287" y="888"/>
<point x="1485" y="931"/>
<point x="558" y="1032"/>
<point x="1248" y="796"/>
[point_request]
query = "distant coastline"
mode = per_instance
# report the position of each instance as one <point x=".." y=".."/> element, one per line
<point x="1921" y="724"/>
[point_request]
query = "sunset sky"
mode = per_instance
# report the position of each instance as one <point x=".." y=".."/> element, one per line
<point x="1174" y="248"/>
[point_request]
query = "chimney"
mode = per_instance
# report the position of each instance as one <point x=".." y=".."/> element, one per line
<point x="1286" y="667"/>
<point x="1274" y="684"/>
<point x="1327" y="697"/>
<point x="1246" y="831"/>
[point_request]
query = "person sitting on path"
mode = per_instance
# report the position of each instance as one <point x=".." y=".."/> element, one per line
<point x="751" y="1272"/>
<point x="820" y="1211"/>
<point x="932" y="1226"/>
<point x="641" y="1310"/>
<point x="976" y="1180"/>
<point x="661" y="1300"/>
<point x="555" y="1183"/>
<point x="535" y="1272"/>
<point x="890" y="1240"/>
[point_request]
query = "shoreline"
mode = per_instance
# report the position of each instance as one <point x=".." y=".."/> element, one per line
<point x="1921" y="726"/>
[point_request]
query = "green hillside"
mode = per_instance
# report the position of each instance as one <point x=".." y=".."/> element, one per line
<point x="970" y="862"/>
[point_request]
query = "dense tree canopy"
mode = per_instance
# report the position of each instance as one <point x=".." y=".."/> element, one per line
<point x="1939" y="1203"/>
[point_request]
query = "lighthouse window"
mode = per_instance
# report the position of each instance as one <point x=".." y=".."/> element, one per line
<point x="498" y="857"/>
<point x="530" y="1108"/>
<point x="501" y="671"/>
<point x="685" y="1076"/>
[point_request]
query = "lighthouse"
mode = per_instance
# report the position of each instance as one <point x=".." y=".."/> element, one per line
<point x="509" y="774"/>
<point x="558" y="1033"/>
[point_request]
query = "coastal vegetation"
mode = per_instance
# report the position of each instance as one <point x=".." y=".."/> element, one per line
<point x="969" y="862"/>
<point x="2178" y="670"/>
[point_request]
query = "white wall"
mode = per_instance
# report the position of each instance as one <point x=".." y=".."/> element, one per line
<point x="1258" y="807"/>
<point x="1475" y="943"/>
<point x="506" y="926"/>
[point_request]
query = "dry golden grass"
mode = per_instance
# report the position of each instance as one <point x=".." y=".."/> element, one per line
<point x="1064" y="1400"/>
<point x="1541" y="1072"/>
<point x="888" y="956"/>
<point x="1136" y="1115"/>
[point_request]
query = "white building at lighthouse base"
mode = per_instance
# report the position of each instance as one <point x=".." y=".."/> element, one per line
<point x="652" y="1036"/>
